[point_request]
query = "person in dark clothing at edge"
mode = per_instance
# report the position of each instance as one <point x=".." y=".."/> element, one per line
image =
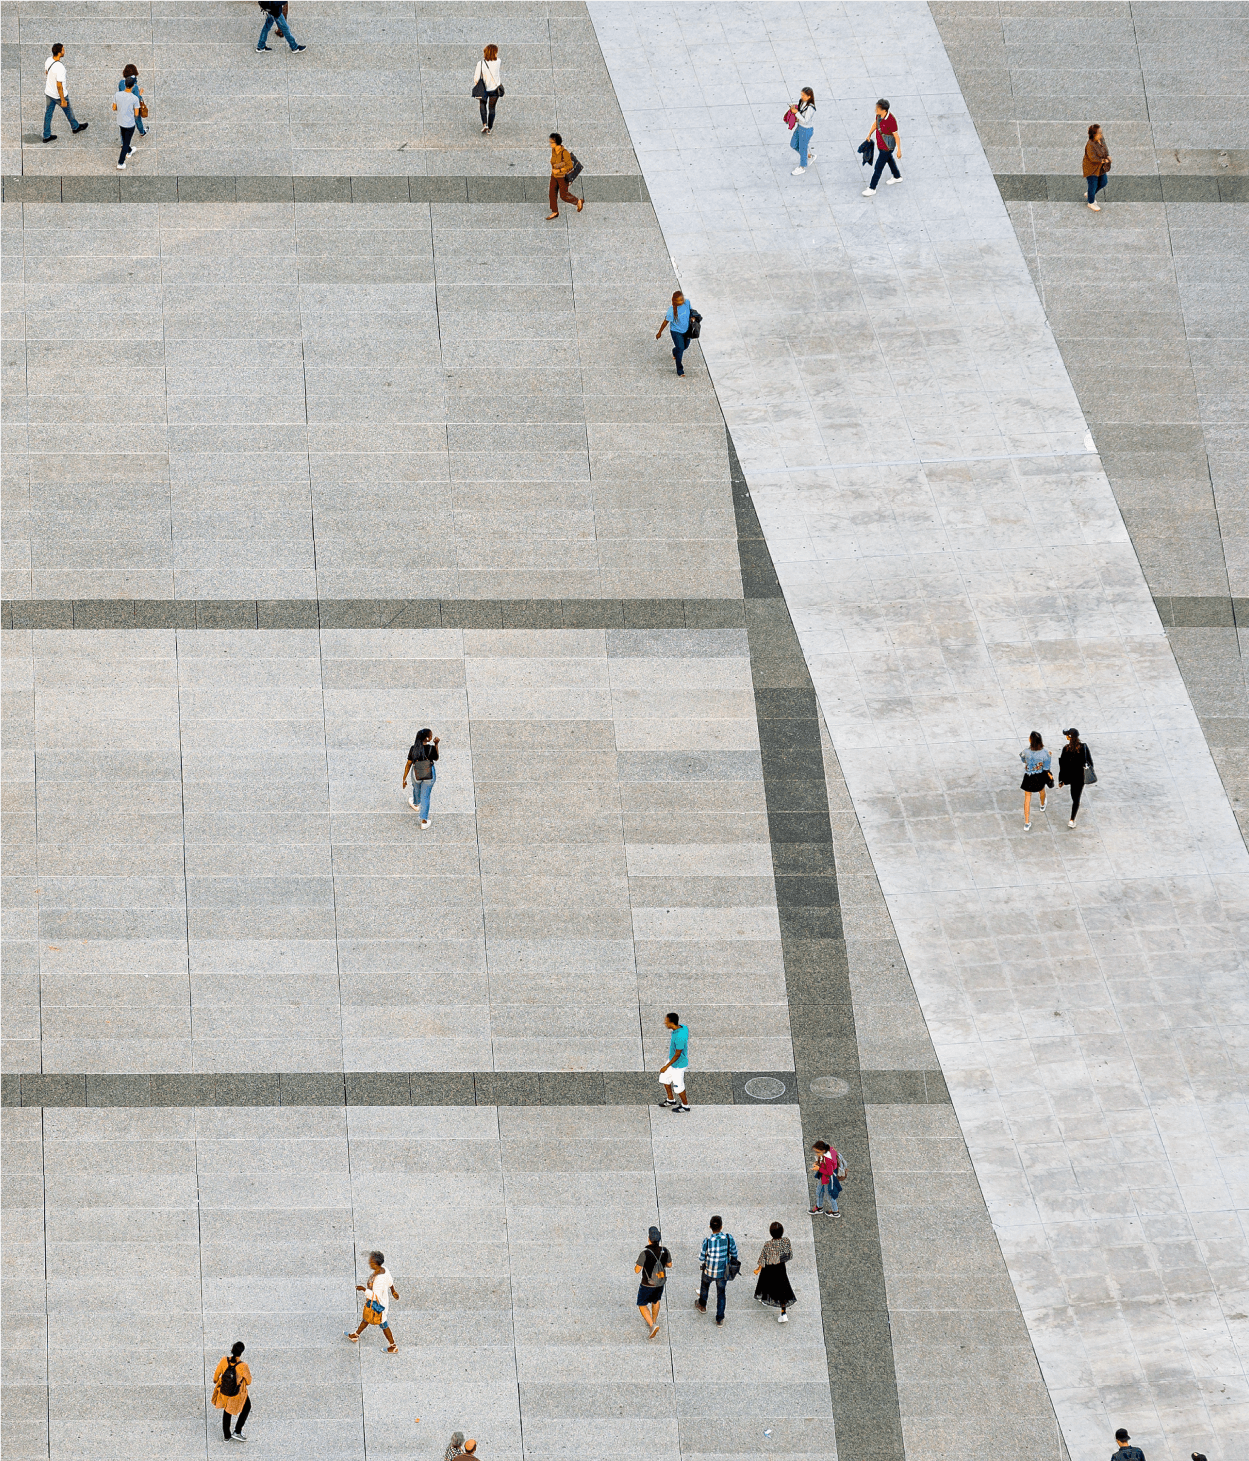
<point x="1124" y="1451"/>
<point x="1072" y="760"/>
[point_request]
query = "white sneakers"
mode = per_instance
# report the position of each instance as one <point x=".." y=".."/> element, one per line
<point x="782" y="1318"/>
<point x="1027" y="826"/>
<point x="1071" y="823"/>
<point x="869" y="192"/>
<point x="889" y="182"/>
<point x="797" y="172"/>
<point x="424" y="821"/>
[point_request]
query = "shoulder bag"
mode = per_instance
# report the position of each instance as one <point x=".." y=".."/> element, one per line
<point x="1090" y="776"/>
<point x="696" y="325"/>
<point x="577" y="168"/>
<point x="479" y="86"/>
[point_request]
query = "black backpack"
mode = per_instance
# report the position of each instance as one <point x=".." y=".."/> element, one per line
<point x="229" y="1382"/>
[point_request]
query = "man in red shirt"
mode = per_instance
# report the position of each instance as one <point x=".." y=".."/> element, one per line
<point x="888" y="146"/>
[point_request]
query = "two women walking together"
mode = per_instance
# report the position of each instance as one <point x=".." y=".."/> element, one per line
<point x="1075" y="768"/>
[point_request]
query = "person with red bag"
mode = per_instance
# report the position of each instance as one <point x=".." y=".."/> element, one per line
<point x="803" y="126"/>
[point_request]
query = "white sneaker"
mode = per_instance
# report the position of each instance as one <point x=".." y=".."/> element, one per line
<point x="424" y="821"/>
<point x="121" y="167"/>
<point x="782" y="1318"/>
<point x="1027" y="826"/>
<point x="798" y="172"/>
<point x="890" y="181"/>
<point x="810" y="156"/>
<point x="1071" y="824"/>
<point x="413" y="805"/>
<point x="869" y="192"/>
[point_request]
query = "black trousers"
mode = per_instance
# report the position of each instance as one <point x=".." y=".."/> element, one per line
<point x="487" y="119"/>
<point x="883" y="160"/>
<point x="126" y="134"/>
<point x="242" y="1417"/>
<point x="1077" y="791"/>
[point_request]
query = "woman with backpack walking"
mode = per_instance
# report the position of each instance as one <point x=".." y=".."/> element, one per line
<point x="1036" y="775"/>
<point x="230" y="1381"/>
<point x="564" y="169"/>
<point x="828" y="1171"/>
<point x="422" y="755"/>
<point x="684" y="320"/>
<point x="1072" y="761"/>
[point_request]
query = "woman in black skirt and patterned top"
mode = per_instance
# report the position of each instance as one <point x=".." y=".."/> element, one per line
<point x="773" y="1287"/>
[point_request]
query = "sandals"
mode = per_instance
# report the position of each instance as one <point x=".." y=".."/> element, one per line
<point x="653" y="1332"/>
<point x="549" y="216"/>
<point x="580" y="204"/>
<point x="347" y="1334"/>
<point x="394" y="1349"/>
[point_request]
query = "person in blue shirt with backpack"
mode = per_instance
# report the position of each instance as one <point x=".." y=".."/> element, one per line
<point x="720" y="1265"/>
<point x="679" y="315"/>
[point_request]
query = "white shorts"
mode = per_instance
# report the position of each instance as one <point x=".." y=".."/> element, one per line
<point x="674" y="1076"/>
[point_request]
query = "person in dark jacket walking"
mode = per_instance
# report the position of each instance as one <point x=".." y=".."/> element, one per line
<point x="422" y="755"/>
<point x="1096" y="165"/>
<point x="1125" y="1451"/>
<point x="1072" y="760"/>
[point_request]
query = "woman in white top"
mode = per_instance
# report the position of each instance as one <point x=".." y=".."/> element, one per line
<point x="490" y="73"/>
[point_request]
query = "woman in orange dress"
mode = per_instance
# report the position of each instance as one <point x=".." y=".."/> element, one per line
<point x="230" y="1381"/>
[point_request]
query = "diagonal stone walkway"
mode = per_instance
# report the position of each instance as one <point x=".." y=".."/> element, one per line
<point x="959" y="574"/>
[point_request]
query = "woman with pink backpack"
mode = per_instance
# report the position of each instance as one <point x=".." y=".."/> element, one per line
<point x="800" y="118"/>
<point x="828" y="1170"/>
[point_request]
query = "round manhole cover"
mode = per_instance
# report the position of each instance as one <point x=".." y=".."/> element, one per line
<point x="829" y="1087"/>
<point x="765" y="1088"/>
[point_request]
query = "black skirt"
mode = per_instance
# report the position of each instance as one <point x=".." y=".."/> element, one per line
<point x="773" y="1287"/>
<point x="1036" y="782"/>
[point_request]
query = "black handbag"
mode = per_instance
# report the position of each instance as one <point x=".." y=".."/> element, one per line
<point x="696" y="326"/>
<point x="577" y="168"/>
<point x="479" y="87"/>
<point x="1090" y="776"/>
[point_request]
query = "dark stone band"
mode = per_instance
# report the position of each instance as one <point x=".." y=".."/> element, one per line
<point x="448" y="1088"/>
<point x="1022" y="187"/>
<point x="610" y="188"/>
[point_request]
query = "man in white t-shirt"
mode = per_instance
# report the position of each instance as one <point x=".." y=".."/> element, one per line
<point x="54" y="94"/>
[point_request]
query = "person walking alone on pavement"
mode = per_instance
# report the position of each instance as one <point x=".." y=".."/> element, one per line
<point x="562" y="164"/>
<point x="653" y="1264"/>
<point x="489" y="76"/>
<point x="719" y="1263"/>
<point x="422" y="754"/>
<point x="679" y="314"/>
<point x="55" y="95"/>
<point x="126" y="105"/>
<point x="275" y="14"/>
<point x="800" y="138"/>
<point x="1096" y="165"/>
<point x="380" y="1289"/>
<point x="773" y="1287"/>
<point x="230" y="1381"/>
<point x="1072" y="760"/>
<point x="888" y="146"/>
<point x="131" y="73"/>
<point x="676" y="1064"/>
<point x="1036" y="775"/>
<point x="827" y="1183"/>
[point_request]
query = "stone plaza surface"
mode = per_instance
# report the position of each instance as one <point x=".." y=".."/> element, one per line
<point x="315" y="432"/>
<point x="959" y="574"/>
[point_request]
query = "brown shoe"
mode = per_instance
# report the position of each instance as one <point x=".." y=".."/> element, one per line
<point x="580" y="204"/>
<point x="549" y="216"/>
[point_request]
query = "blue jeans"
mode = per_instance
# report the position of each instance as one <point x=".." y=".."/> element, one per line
<point x="1096" y="184"/>
<point x="800" y="141"/>
<point x="704" y="1288"/>
<point x="883" y="157"/>
<point x="679" y="344"/>
<point x="421" y="791"/>
<point x="829" y="1190"/>
<point x="138" y="120"/>
<point x="52" y="103"/>
<point x="280" y="22"/>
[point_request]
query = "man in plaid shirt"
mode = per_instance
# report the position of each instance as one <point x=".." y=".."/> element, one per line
<point x="718" y="1251"/>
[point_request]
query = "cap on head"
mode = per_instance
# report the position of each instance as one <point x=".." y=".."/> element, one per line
<point x="1071" y="732"/>
<point x="654" y="1235"/>
<point x="1122" y="1435"/>
<point x="470" y="1446"/>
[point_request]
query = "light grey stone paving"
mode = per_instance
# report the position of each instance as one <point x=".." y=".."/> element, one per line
<point x="598" y="852"/>
<point x="511" y="1235"/>
<point x="1157" y="363"/>
<point x="959" y="574"/>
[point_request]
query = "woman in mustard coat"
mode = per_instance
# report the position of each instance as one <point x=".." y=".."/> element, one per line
<point x="230" y="1381"/>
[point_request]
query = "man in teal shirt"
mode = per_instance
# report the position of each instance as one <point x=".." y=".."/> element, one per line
<point x="678" y="1061"/>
